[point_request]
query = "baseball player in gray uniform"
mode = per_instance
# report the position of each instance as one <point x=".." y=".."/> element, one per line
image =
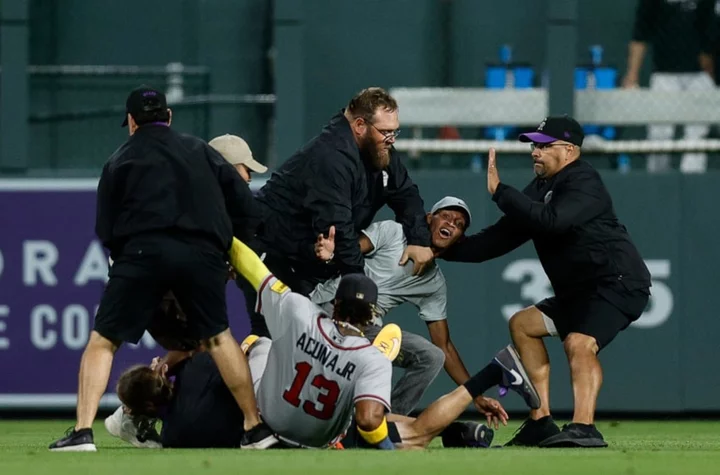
<point x="320" y="367"/>
<point x="383" y="244"/>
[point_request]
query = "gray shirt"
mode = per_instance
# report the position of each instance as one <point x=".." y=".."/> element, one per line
<point x="396" y="284"/>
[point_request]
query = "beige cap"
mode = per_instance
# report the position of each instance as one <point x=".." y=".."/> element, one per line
<point x="236" y="151"/>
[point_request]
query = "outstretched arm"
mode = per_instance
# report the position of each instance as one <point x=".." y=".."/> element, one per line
<point x="489" y="243"/>
<point x="418" y="433"/>
<point x="440" y="337"/>
<point x="247" y="263"/>
<point x="275" y="302"/>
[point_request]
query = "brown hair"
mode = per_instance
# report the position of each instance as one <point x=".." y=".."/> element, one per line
<point x="143" y="391"/>
<point x="369" y="100"/>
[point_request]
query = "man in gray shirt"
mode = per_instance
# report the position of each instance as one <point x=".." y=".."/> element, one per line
<point x="383" y="244"/>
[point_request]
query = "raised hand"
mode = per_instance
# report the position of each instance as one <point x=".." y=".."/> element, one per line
<point x="493" y="179"/>
<point x="325" y="246"/>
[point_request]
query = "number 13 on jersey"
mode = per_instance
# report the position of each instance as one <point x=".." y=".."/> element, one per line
<point x="324" y="405"/>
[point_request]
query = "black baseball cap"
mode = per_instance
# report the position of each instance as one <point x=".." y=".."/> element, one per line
<point x="556" y="128"/>
<point x="357" y="287"/>
<point x="144" y="99"/>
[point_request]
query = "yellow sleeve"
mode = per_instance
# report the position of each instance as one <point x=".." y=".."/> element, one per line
<point x="247" y="263"/>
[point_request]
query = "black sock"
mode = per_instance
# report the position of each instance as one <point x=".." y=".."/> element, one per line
<point x="489" y="376"/>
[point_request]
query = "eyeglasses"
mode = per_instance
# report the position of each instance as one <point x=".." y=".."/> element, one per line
<point x="388" y="134"/>
<point x="541" y="146"/>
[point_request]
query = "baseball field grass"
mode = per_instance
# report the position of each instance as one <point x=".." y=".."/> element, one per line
<point x="636" y="447"/>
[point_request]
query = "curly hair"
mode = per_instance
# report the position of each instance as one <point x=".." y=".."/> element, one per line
<point x="354" y="312"/>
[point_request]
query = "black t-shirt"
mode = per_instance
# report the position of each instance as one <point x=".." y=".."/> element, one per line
<point x="203" y="412"/>
<point x="678" y="30"/>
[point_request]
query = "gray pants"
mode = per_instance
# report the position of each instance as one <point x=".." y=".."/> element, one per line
<point x="421" y="360"/>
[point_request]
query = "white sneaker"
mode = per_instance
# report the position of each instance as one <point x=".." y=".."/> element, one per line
<point x="123" y="426"/>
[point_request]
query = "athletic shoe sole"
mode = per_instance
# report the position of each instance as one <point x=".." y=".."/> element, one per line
<point x="76" y="448"/>
<point x="266" y="443"/>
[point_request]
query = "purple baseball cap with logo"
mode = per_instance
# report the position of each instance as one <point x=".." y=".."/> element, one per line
<point x="552" y="129"/>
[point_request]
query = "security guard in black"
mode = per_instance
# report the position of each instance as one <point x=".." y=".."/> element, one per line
<point x="569" y="216"/>
<point x="160" y="179"/>
<point x="167" y="206"/>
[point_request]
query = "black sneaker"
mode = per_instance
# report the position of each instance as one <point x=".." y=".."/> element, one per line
<point x="515" y="377"/>
<point x="476" y="434"/>
<point x="259" y="437"/>
<point x="532" y="432"/>
<point x="75" y="441"/>
<point x="576" y="435"/>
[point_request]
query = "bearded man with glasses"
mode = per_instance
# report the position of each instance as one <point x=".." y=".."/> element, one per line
<point x="341" y="178"/>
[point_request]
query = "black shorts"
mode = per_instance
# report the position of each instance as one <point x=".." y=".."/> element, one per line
<point x="150" y="265"/>
<point x="593" y="314"/>
<point x="203" y="412"/>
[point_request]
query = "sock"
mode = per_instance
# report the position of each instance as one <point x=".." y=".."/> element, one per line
<point x="489" y="376"/>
